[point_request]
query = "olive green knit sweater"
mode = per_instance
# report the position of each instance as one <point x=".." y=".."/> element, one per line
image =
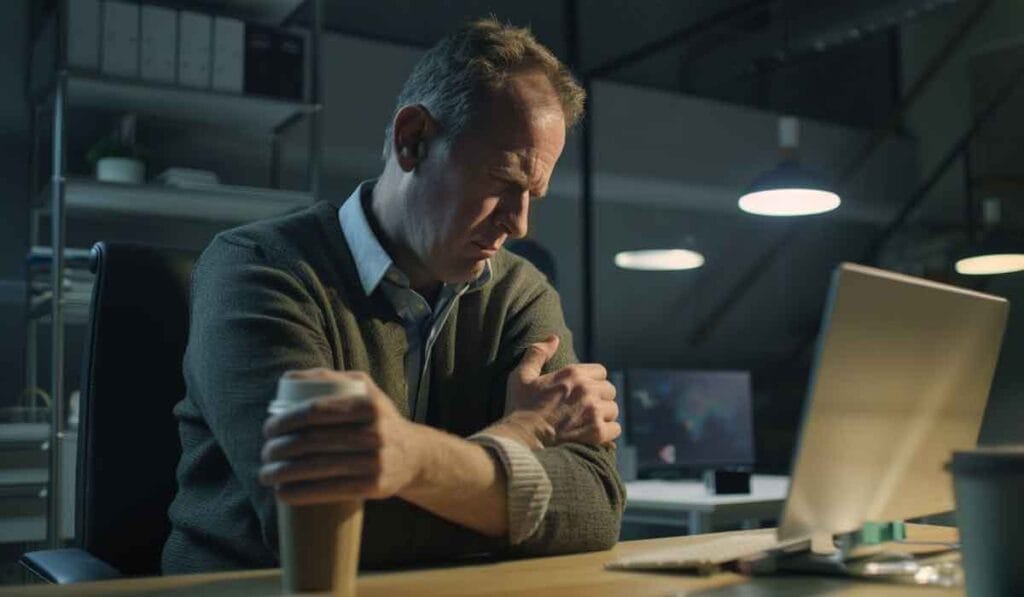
<point x="284" y="294"/>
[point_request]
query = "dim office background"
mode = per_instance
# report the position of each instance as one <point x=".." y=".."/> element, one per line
<point x="685" y="102"/>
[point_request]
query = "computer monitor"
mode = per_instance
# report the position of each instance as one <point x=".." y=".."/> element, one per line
<point x="687" y="421"/>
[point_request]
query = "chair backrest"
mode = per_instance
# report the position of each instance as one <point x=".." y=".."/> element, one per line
<point x="128" y="444"/>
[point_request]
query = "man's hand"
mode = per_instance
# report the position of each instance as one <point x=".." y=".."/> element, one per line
<point x="332" y="448"/>
<point x="578" y="401"/>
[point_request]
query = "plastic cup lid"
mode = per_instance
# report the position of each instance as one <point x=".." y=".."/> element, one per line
<point x="989" y="459"/>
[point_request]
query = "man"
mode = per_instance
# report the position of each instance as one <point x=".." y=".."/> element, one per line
<point x="406" y="287"/>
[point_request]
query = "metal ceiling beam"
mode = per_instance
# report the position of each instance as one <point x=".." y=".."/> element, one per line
<point x="574" y="49"/>
<point x="999" y="98"/>
<point x="800" y="38"/>
<point x="915" y="90"/>
<point x="959" y="148"/>
<point x="750" y="277"/>
<point x="675" y="38"/>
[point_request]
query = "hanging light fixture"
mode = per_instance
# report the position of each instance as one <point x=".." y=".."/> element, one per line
<point x="789" y="189"/>
<point x="659" y="259"/>
<point x="995" y="253"/>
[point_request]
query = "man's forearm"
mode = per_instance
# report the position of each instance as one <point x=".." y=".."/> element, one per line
<point x="460" y="482"/>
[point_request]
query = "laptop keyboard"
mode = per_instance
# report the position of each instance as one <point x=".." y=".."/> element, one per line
<point x="699" y="555"/>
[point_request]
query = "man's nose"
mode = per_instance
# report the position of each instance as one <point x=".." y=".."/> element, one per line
<point x="516" y="214"/>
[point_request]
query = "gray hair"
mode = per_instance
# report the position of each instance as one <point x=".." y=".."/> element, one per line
<point x="455" y="76"/>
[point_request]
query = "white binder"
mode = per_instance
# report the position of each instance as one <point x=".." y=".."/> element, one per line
<point x="120" y="55"/>
<point x="195" y="32"/>
<point x="228" y="54"/>
<point x="158" y="52"/>
<point x="83" y="45"/>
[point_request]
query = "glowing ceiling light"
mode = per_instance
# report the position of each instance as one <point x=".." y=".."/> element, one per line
<point x="659" y="259"/>
<point x="789" y="202"/>
<point x="789" y="189"/>
<point x="990" y="264"/>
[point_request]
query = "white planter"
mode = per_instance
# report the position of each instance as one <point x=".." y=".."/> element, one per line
<point x="127" y="170"/>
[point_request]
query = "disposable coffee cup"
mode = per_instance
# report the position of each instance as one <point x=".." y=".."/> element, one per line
<point x="989" y="488"/>
<point x="319" y="544"/>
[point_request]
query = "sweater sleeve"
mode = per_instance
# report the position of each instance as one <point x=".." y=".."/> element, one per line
<point x="584" y="512"/>
<point x="250" y="323"/>
<point x="252" y="320"/>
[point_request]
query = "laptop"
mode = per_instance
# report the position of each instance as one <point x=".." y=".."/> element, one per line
<point x="902" y="372"/>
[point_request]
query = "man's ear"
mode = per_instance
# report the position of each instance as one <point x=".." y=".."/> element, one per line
<point x="414" y="128"/>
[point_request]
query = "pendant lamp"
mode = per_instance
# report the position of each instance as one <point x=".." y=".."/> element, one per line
<point x="659" y="259"/>
<point x="995" y="253"/>
<point x="789" y="189"/>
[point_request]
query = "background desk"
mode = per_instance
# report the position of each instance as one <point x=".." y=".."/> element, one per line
<point x="687" y="503"/>
<point x="581" y="574"/>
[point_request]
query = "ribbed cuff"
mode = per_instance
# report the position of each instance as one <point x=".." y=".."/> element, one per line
<point x="529" y="488"/>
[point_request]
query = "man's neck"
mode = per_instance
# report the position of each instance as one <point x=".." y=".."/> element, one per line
<point x="384" y="215"/>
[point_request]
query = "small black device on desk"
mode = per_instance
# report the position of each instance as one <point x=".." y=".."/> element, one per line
<point x="727" y="482"/>
<point x="687" y="423"/>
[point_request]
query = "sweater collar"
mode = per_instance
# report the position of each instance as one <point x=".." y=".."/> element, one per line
<point x="373" y="264"/>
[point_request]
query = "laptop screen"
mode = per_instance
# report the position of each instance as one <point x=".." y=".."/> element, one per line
<point x="682" y="420"/>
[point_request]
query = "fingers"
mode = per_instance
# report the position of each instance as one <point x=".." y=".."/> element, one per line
<point x="535" y="357"/>
<point x="302" y="493"/>
<point x="594" y="435"/>
<point x="613" y="431"/>
<point x="583" y="370"/>
<point x="364" y="464"/>
<point x="324" y="411"/>
<point x="608" y="410"/>
<point x="322" y="440"/>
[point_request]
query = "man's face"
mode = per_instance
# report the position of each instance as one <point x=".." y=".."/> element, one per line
<point x="471" y="198"/>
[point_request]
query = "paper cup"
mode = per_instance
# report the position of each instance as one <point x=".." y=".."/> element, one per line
<point x="319" y="544"/>
<point x="989" y="488"/>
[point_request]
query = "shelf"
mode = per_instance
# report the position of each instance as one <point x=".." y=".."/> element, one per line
<point x="14" y="477"/>
<point x="264" y="12"/>
<point x="203" y="106"/>
<point x="40" y="257"/>
<point x="76" y="309"/>
<point x="22" y="433"/>
<point x="216" y="203"/>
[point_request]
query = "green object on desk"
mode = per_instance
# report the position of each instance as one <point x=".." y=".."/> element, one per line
<point x="873" y="533"/>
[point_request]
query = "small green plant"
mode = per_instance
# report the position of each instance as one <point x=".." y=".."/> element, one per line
<point x="110" y="147"/>
<point x="118" y="144"/>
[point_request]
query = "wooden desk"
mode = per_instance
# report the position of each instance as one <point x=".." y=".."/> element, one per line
<point x="581" y="574"/>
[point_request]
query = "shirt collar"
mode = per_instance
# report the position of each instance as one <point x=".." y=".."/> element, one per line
<point x="372" y="262"/>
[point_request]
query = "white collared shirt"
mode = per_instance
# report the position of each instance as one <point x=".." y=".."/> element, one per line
<point x="422" y="321"/>
<point x="529" y="487"/>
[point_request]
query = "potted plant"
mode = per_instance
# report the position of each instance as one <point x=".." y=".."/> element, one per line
<point x="116" y="157"/>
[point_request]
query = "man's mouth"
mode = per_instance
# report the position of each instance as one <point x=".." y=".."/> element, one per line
<point x="489" y="250"/>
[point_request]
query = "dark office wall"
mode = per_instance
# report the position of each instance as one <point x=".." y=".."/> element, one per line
<point x="1004" y="419"/>
<point x="14" y="150"/>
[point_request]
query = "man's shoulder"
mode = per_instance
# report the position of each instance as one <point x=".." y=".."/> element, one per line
<point x="297" y="235"/>
<point x="507" y="268"/>
<point x="515" y="280"/>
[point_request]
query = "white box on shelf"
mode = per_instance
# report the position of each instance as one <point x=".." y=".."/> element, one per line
<point x="228" y="54"/>
<point x="83" y="44"/>
<point x="195" y="31"/>
<point x="120" y="55"/>
<point x="159" y="48"/>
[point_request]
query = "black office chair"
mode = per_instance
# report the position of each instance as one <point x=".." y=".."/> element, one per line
<point x="128" y="444"/>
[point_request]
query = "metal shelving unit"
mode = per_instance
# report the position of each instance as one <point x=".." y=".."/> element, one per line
<point x="66" y="197"/>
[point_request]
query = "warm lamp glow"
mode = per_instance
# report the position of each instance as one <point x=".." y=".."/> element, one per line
<point x="659" y="260"/>
<point x="789" y="202"/>
<point x="982" y="265"/>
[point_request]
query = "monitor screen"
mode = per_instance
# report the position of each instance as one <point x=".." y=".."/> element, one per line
<point x="690" y="419"/>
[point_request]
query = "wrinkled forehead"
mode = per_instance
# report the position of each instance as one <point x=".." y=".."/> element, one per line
<point x="516" y="133"/>
<point x="515" y="114"/>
